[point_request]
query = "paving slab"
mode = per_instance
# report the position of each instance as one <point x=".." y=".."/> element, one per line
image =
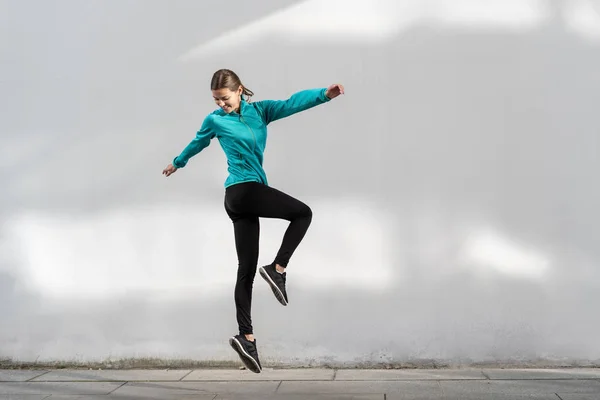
<point x="486" y="390"/>
<point x="575" y="396"/>
<point x="24" y="397"/>
<point x="410" y="389"/>
<point x="62" y="388"/>
<point x="65" y="375"/>
<point x="567" y="373"/>
<point x="545" y="386"/>
<point x="69" y="397"/>
<point x="407" y="374"/>
<point x="265" y="375"/>
<point x="496" y="396"/>
<point x="167" y="390"/>
<point x="79" y="397"/>
<point x="415" y="396"/>
<point x="19" y="375"/>
<point x="167" y="396"/>
<point x="304" y="397"/>
<point x="467" y="389"/>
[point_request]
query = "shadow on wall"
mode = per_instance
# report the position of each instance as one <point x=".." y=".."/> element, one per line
<point x="470" y="153"/>
<point x="457" y="321"/>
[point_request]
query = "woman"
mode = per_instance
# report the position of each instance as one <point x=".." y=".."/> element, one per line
<point x="241" y="128"/>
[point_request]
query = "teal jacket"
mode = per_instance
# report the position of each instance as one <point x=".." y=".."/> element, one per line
<point x="243" y="135"/>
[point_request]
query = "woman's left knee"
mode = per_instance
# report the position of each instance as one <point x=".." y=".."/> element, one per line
<point x="307" y="212"/>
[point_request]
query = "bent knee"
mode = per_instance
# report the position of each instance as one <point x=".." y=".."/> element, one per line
<point x="302" y="211"/>
<point x="306" y="212"/>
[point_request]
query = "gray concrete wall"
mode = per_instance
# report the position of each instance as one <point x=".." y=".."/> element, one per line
<point x="454" y="186"/>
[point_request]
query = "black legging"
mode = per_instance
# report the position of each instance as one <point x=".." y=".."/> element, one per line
<point x="245" y="203"/>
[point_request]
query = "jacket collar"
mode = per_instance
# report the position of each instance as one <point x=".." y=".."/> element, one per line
<point x="243" y="106"/>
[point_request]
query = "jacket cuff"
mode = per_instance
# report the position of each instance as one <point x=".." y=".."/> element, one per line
<point x="323" y="96"/>
<point x="176" y="164"/>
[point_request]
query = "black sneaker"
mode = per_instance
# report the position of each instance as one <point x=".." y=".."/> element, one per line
<point x="276" y="281"/>
<point x="247" y="352"/>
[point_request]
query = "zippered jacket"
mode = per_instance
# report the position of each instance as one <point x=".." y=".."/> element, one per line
<point x="243" y="135"/>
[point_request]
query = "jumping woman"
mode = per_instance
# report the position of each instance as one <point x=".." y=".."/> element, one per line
<point x="241" y="128"/>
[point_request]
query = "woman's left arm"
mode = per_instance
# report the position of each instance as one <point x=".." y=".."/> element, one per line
<point x="273" y="110"/>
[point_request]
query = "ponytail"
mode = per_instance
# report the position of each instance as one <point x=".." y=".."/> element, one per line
<point x="247" y="92"/>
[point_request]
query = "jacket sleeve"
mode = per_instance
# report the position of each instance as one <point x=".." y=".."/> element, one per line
<point x="202" y="140"/>
<point x="273" y="110"/>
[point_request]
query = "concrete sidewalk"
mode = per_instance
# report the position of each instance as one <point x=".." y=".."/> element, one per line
<point x="296" y="384"/>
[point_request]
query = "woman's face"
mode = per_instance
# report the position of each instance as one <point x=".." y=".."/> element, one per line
<point x="227" y="99"/>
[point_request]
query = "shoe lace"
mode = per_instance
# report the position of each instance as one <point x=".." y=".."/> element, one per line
<point x="253" y="350"/>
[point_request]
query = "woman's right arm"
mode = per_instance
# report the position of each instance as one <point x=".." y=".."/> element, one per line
<point x="201" y="141"/>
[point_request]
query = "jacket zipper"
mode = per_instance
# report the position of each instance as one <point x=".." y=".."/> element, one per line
<point x="251" y="131"/>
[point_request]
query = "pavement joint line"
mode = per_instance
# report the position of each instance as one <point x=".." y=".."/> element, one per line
<point x="37" y="376"/>
<point x="277" y="388"/>
<point x="192" y="370"/>
<point x="441" y="388"/>
<point x="118" y="387"/>
<point x="334" y="374"/>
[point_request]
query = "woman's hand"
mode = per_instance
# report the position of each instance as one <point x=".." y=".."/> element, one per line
<point x="169" y="170"/>
<point x="334" y="90"/>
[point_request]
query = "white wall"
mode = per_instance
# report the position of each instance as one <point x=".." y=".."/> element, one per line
<point x="454" y="187"/>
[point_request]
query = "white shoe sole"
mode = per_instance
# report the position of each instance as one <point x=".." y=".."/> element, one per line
<point x="278" y="294"/>
<point x="246" y="358"/>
